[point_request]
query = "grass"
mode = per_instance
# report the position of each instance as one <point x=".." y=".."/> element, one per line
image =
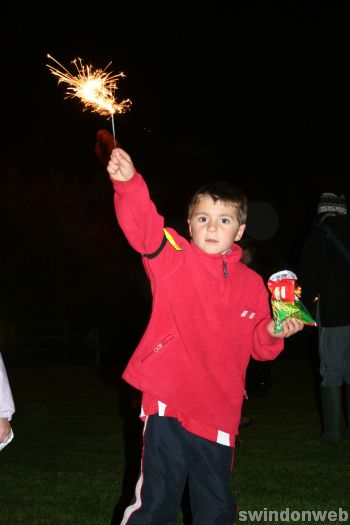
<point x="281" y="463"/>
<point x="65" y="465"/>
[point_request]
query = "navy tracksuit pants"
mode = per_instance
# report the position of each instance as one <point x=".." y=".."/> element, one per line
<point x="171" y="454"/>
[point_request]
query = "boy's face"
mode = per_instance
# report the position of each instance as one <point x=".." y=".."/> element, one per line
<point x="214" y="226"/>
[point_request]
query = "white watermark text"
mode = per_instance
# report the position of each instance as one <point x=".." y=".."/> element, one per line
<point x="289" y="515"/>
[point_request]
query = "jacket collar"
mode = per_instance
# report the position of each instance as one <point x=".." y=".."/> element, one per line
<point x="233" y="255"/>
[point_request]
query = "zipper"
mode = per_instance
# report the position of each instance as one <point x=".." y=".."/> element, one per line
<point x="224" y="267"/>
<point x="158" y="347"/>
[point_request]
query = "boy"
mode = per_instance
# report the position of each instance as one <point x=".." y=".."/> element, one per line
<point x="209" y="314"/>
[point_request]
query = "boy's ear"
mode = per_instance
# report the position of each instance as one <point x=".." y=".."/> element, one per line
<point x="240" y="232"/>
<point x="189" y="226"/>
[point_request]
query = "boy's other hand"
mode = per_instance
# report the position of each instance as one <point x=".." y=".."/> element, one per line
<point x="5" y="430"/>
<point x="120" y="166"/>
<point x="290" y="327"/>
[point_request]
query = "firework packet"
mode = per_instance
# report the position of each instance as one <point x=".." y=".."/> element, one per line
<point x="285" y="300"/>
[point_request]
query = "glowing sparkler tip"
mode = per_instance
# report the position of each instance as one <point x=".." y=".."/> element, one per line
<point x="95" y="88"/>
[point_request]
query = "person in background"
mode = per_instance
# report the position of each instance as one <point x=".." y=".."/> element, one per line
<point x="7" y="407"/>
<point x="325" y="276"/>
<point x="258" y="380"/>
<point x="210" y="313"/>
<point x="250" y="256"/>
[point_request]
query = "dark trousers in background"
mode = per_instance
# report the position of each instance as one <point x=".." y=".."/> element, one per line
<point x="171" y="455"/>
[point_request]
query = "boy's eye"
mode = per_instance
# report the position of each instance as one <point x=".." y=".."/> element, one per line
<point x="225" y="220"/>
<point x="202" y="219"/>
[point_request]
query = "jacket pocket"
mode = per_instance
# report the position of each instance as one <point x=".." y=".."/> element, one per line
<point x="160" y="346"/>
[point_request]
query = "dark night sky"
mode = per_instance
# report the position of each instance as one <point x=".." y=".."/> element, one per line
<point x="263" y="92"/>
<point x="259" y="97"/>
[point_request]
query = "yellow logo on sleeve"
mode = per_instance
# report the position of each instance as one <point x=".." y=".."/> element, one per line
<point x="171" y="239"/>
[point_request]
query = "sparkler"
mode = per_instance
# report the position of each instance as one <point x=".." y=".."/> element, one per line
<point x="94" y="88"/>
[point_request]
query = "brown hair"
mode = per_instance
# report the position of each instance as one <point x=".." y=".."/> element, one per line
<point x="224" y="192"/>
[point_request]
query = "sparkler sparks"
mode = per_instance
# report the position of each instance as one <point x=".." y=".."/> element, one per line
<point x="94" y="88"/>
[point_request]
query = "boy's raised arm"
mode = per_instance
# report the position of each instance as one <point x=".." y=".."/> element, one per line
<point x="136" y="213"/>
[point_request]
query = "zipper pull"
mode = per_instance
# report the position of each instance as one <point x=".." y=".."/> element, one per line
<point x="224" y="266"/>
<point x="245" y="394"/>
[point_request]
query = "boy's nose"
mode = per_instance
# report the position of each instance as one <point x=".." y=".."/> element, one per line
<point x="212" y="226"/>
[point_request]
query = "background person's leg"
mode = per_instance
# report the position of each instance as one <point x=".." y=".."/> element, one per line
<point x="332" y="414"/>
<point x="331" y="349"/>
<point x="346" y="330"/>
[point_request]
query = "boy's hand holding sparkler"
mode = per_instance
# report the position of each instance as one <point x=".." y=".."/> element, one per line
<point x="120" y="166"/>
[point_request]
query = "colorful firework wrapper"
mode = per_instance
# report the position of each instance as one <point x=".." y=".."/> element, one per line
<point x="285" y="299"/>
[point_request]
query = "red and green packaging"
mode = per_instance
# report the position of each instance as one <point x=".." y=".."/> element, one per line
<point x="285" y="299"/>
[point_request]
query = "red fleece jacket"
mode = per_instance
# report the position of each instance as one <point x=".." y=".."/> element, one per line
<point x="204" y="326"/>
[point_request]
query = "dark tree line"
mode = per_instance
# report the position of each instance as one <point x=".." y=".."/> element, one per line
<point x="63" y="256"/>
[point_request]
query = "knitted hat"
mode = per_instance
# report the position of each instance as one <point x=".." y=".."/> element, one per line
<point x="329" y="202"/>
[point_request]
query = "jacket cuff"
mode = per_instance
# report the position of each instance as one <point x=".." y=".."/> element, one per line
<point x="125" y="186"/>
<point x="265" y="337"/>
<point x="6" y="415"/>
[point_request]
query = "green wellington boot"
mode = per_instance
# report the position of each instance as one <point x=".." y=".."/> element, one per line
<point x="332" y="414"/>
<point x="347" y="400"/>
